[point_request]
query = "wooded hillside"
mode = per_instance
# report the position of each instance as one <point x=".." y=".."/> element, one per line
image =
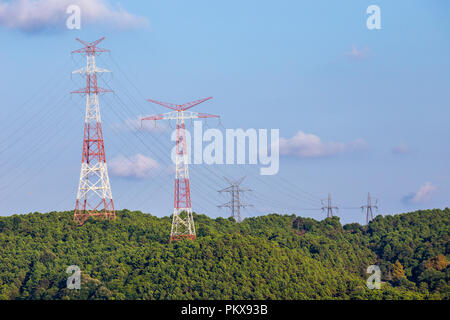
<point x="266" y="257"/>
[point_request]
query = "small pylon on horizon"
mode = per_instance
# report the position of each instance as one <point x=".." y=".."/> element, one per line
<point x="369" y="206"/>
<point x="328" y="207"/>
<point x="235" y="204"/>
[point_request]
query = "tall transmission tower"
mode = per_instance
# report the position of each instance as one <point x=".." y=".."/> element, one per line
<point x="182" y="221"/>
<point x="94" y="196"/>
<point x="235" y="204"/>
<point x="368" y="207"/>
<point x="327" y="206"/>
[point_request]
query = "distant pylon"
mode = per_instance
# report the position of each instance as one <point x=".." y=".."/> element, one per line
<point x="182" y="221"/>
<point x="328" y="206"/>
<point x="235" y="204"/>
<point x="368" y="207"/>
<point x="94" y="196"/>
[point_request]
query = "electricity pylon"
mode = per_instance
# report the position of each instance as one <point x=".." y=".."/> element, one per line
<point x="368" y="207"/>
<point x="235" y="204"/>
<point x="182" y="221"/>
<point x="94" y="196"/>
<point x="328" y="206"/>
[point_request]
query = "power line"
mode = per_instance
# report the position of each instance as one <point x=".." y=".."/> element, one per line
<point x="290" y="191"/>
<point x="286" y="190"/>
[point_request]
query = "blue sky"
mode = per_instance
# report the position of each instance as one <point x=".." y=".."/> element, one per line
<point x="300" y="66"/>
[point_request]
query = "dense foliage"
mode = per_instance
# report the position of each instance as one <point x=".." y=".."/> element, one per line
<point x="266" y="257"/>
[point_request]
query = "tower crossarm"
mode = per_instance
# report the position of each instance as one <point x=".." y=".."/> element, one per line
<point x="225" y="205"/>
<point x="179" y="107"/>
<point x="227" y="189"/>
<point x="154" y="117"/>
<point x="234" y="188"/>
<point x="90" y="50"/>
<point x="203" y="115"/>
<point x="91" y="44"/>
<point x="245" y="205"/>
<point x="327" y="207"/>
<point x="189" y="105"/>
<point x="180" y="115"/>
<point x="91" y="91"/>
<point x="165" y="104"/>
<point x="87" y="70"/>
<point x="230" y="204"/>
<point x="90" y="47"/>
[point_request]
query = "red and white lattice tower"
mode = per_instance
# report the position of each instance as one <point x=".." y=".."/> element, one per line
<point x="182" y="221"/>
<point x="94" y="196"/>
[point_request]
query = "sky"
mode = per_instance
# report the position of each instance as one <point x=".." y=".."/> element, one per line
<point x="358" y="110"/>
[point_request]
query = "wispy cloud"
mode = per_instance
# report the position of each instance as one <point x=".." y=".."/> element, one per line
<point x="137" y="166"/>
<point x="358" y="144"/>
<point x="401" y="149"/>
<point x="423" y="195"/>
<point x="306" y="145"/>
<point x="38" y="15"/>
<point x="358" y="54"/>
<point x="135" y="124"/>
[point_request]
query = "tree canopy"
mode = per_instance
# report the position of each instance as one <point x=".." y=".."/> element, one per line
<point x="266" y="257"/>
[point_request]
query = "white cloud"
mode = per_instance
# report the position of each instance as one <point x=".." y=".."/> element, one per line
<point x="38" y="15"/>
<point x="306" y="145"/>
<point x="423" y="195"/>
<point x="137" y="166"/>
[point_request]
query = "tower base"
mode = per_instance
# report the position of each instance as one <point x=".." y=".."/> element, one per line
<point x="181" y="237"/>
<point x="81" y="214"/>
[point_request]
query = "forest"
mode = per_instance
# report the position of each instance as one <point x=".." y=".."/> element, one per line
<point x="266" y="257"/>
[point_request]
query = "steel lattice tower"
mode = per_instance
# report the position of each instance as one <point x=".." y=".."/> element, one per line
<point x="368" y="207"/>
<point x="94" y="196"/>
<point x="328" y="206"/>
<point x="183" y="221"/>
<point x="235" y="204"/>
